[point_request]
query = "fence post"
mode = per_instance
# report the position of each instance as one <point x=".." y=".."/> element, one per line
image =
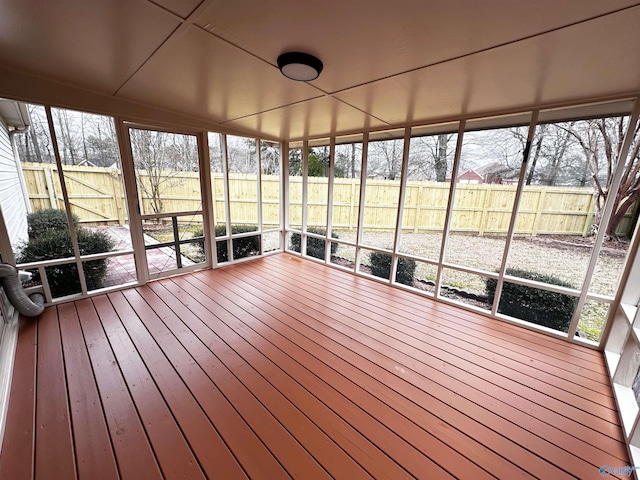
<point x="416" y="222"/>
<point x="536" y="220"/>
<point x="485" y="209"/>
<point x="48" y="177"/>
<point x="352" y="205"/>
<point x="588" y="222"/>
<point x="118" y="195"/>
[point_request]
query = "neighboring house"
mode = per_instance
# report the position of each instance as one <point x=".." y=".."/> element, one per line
<point x="494" y="172"/>
<point x="14" y="200"/>
<point x="470" y="176"/>
<point x="86" y="163"/>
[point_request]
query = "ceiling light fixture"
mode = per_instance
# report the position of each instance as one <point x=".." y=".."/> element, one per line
<point x="299" y="66"/>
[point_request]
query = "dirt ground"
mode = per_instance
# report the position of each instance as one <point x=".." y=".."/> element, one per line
<point x="565" y="257"/>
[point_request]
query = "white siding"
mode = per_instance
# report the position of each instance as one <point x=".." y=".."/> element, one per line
<point x="11" y="197"/>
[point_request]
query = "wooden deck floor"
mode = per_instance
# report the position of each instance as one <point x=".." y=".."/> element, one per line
<point x="282" y="367"/>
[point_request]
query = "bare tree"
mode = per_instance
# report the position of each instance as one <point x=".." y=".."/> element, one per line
<point x="270" y="158"/>
<point x="295" y="162"/>
<point x="36" y="145"/>
<point x="431" y="157"/>
<point x="348" y="162"/>
<point x="496" y="154"/>
<point x="66" y="132"/>
<point x="521" y="136"/>
<point x="216" y="160"/>
<point x="601" y="143"/>
<point x="242" y="154"/>
<point x="154" y="156"/>
<point x="385" y="158"/>
<point x="101" y="141"/>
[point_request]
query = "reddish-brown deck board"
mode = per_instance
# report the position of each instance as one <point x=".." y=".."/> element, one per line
<point x="538" y="445"/>
<point x="345" y="354"/>
<point x="319" y="359"/>
<point x="94" y="453"/>
<point x="461" y="334"/>
<point x="584" y="360"/>
<point x="419" y="335"/>
<point x="17" y="456"/>
<point x="211" y="452"/>
<point x="372" y="459"/>
<point x="313" y="380"/>
<point x="332" y="458"/>
<point x="300" y="462"/>
<point x="248" y="448"/>
<point x="172" y="451"/>
<point x="285" y="367"/>
<point x="444" y="350"/>
<point x="54" y="438"/>
<point x="539" y="347"/>
<point x="133" y="452"/>
<point x="235" y="334"/>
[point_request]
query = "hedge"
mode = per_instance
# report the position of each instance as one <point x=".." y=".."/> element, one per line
<point x="316" y="247"/>
<point x="535" y="305"/>
<point x="55" y="243"/>
<point x="381" y="267"/>
<point x="46" y="220"/>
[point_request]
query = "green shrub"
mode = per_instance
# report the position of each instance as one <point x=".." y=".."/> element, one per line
<point x="316" y="247"/>
<point x="242" y="247"/>
<point x="46" y="220"/>
<point x="542" y="307"/>
<point x="54" y="244"/>
<point x="381" y="267"/>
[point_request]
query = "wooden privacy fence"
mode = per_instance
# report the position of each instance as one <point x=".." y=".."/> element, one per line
<point x="478" y="208"/>
<point x="97" y="197"/>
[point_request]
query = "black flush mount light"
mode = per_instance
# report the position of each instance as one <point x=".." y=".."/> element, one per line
<point x="299" y="66"/>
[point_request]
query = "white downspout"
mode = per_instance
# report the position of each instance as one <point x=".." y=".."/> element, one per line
<point x="23" y="183"/>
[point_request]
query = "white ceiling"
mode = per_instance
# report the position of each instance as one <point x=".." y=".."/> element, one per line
<point x="387" y="62"/>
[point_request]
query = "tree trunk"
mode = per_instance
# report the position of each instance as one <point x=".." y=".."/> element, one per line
<point x="440" y="160"/>
<point x="353" y="160"/>
<point x="34" y="142"/>
<point x="534" y="161"/>
<point x="559" y="154"/>
<point x="84" y="138"/>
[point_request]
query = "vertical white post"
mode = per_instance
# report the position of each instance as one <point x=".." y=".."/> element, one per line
<point x="67" y="205"/>
<point x="133" y="200"/>
<point x="332" y="172"/>
<point x="514" y="211"/>
<point x="401" y="197"/>
<point x="363" y="186"/>
<point x="284" y="194"/>
<point x="206" y="188"/>
<point x="449" y="214"/>
<point x="305" y="184"/>
<point x="227" y="195"/>
<point x="259" y="192"/>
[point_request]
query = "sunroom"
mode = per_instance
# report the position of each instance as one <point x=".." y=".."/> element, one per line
<point x="419" y="261"/>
